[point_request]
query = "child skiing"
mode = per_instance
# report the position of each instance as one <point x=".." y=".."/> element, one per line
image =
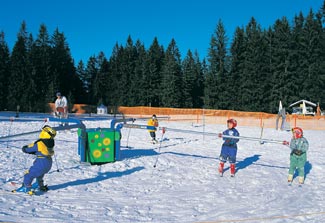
<point x="298" y="156"/>
<point x="43" y="149"/>
<point x="153" y="122"/>
<point x="229" y="147"/>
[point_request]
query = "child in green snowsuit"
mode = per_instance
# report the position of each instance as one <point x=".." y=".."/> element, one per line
<point x="298" y="156"/>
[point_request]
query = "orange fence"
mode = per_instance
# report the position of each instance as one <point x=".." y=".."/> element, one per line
<point x="210" y="116"/>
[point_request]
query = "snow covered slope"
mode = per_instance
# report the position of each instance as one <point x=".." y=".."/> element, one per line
<point x="183" y="187"/>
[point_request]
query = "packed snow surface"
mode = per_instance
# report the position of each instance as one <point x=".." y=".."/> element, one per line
<point x="172" y="181"/>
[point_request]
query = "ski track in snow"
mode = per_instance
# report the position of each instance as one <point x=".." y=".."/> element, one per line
<point x="183" y="187"/>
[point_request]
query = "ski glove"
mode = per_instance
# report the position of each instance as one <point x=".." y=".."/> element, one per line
<point x="24" y="149"/>
<point x="286" y="143"/>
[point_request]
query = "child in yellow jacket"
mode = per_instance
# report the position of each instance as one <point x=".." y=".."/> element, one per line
<point x="153" y="122"/>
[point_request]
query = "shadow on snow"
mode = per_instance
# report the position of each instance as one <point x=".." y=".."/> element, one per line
<point x="100" y="177"/>
<point x="134" y="153"/>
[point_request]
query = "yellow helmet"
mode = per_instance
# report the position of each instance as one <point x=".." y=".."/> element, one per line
<point x="47" y="133"/>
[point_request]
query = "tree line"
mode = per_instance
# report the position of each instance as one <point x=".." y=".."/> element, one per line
<point x="253" y="72"/>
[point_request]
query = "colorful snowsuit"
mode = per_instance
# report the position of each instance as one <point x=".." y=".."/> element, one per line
<point x="229" y="147"/>
<point x="153" y="122"/>
<point x="298" y="155"/>
<point x="43" y="148"/>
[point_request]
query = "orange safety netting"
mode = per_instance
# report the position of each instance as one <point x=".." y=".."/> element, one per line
<point x="211" y="116"/>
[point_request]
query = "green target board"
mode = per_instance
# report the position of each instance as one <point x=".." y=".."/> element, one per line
<point x="101" y="146"/>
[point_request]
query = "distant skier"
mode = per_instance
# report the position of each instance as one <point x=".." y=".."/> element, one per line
<point x="229" y="147"/>
<point x="43" y="149"/>
<point x="61" y="106"/>
<point x="282" y="115"/>
<point x="153" y="122"/>
<point x="298" y="155"/>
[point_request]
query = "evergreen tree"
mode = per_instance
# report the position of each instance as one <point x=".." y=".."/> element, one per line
<point x="64" y="74"/>
<point x="198" y="90"/>
<point x="101" y="83"/>
<point x="91" y="72"/>
<point x="40" y="62"/>
<point x="321" y="74"/>
<point x="85" y="80"/>
<point x="251" y="73"/>
<point x="221" y="53"/>
<point x="280" y="71"/>
<point x="18" y="80"/>
<point x="4" y="71"/>
<point x="153" y="91"/>
<point x="313" y="82"/>
<point x="99" y="79"/>
<point x="297" y="58"/>
<point x="190" y="81"/>
<point x="138" y="83"/>
<point x="215" y="91"/>
<point x="128" y="71"/>
<point x="237" y="51"/>
<point x="171" y="93"/>
<point x="115" y="97"/>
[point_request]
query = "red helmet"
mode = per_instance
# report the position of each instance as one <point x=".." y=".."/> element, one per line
<point x="233" y="121"/>
<point x="298" y="133"/>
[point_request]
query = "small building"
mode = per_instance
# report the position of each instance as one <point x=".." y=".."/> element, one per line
<point x="102" y="109"/>
<point x="303" y="107"/>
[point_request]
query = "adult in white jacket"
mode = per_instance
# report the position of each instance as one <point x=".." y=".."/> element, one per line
<point x="61" y="106"/>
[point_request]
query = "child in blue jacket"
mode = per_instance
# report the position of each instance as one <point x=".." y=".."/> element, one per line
<point x="43" y="149"/>
<point x="229" y="147"/>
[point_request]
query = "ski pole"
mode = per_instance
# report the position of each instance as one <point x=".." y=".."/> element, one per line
<point x="16" y="182"/>
<point x="127" y="141"/>
<point x="162" y="137"/>
<point x="56" y="162"/>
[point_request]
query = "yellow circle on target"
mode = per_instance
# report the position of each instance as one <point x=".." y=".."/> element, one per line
<point x="96" y="136"/>
<point x="106" y="141"/>
<point x="99" y="144"/>
<point x="97" y="153"/>
<point x="107" y="149"/>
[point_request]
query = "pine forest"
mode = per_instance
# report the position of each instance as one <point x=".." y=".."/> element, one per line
<point x="251" y="71"/>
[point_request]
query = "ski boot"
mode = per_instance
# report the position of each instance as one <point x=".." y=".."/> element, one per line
<point x="44" y="188"/>
<point x="220" y="169"/>
<point x="232" y="169"/>
<point x="290" y="178"/>
<point x="23" y="189"/>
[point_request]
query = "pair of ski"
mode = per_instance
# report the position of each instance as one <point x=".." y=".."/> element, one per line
<point x="34" y="190"/>
<point x="291" y="182"/>
<point x="231" y="175"/>
<point x="154" y="141"/>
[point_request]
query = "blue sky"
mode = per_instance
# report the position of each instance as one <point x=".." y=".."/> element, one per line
<point x="91" y="26"/>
